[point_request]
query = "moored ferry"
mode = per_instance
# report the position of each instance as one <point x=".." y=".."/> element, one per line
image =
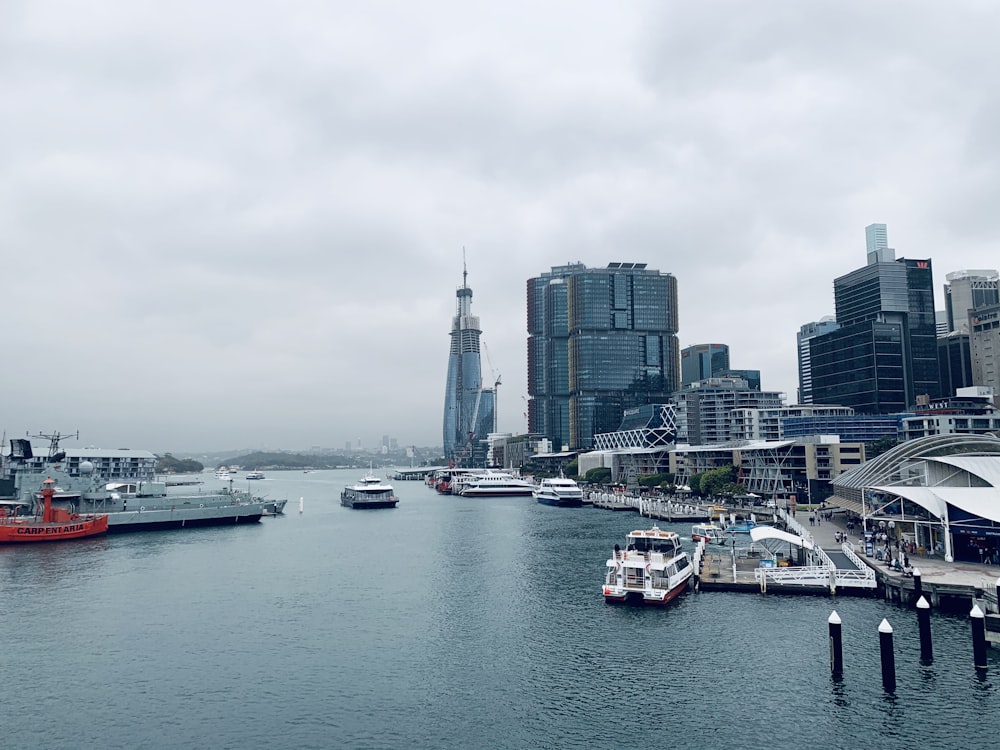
<point x="652" y="569"/>
<point x="559" y="491"/>
<point x="495" y="484"/>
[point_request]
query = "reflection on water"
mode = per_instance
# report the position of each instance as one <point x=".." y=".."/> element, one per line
<point x="443" y="623"/>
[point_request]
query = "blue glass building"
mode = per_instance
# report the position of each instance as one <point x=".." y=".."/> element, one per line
<point x="600" y="341"/>
<point x="883" y="356"/>
<point x="469" y="408"/>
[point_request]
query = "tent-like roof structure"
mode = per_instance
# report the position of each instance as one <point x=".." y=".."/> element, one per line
<point x="933" y="472"/>
<point x="760" y="533"/>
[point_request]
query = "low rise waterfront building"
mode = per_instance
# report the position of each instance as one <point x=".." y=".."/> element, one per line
<point x="937" y="495"/>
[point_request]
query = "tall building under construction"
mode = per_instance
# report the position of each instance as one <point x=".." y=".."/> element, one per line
<point x="469" y="408"/>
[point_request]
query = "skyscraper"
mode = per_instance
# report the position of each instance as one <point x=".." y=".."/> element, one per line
<point x="967" y="290"/>
<point x="600" y="340"/>
<point x="468" y="407"/>
<point x="804" y="340"/>
<point x="703" y="361"/>
<point x="884" y="353"/>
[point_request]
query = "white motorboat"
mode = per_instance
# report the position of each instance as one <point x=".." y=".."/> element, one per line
<point x="559" y="491"/>
<point x="652" y="569"/>
<point x="709" y="533"/>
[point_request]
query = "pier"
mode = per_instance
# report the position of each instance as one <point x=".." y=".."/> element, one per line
<point x="829" y="568"/>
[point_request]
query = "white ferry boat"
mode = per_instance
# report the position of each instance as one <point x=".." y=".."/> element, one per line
<point x="496" y="484"/>
<point x="709" y="533"/>
<point x="652" y="569"/>
<point x="222" y="473"/>
<point x="369" y="492"/>
<point x="559" y="491"/>
<point x="255" y="474"/>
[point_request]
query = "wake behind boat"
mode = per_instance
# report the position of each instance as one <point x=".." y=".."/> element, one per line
<point x="368" y="492"/>
<point x="559" y="491"/>
<point x="652" y="569"/>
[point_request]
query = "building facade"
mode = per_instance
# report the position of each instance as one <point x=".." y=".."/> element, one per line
<point x="984" y="346"/>
<point x="804" y="347"/>
<point x="600" y="341"/>
<point x="883" y="356"/>
<point x="469" y="415"/>
<point x="966" y="291"/>
<point x="703" y="361"/>
<point x="706" y="409"/>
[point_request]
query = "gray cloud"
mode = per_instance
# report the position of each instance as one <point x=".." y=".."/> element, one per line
<point x="230" y="225"/>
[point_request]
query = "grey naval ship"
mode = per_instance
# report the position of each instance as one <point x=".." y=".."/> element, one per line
<point x="138" y="505"/>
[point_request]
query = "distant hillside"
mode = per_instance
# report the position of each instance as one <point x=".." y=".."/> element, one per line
<point x="264" y="461"/>
<point x="167" y="464"/>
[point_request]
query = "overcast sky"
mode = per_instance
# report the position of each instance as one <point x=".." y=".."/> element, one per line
<point x="240" y="224"/>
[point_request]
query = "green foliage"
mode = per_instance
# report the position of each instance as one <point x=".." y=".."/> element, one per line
<point x="715" y="481"/>
<point x="695" y="484"/>
<point x="656" y="480"/>
<point x="167" y="464"/>
<point x="573" y="468"/>
<point x="600" y="475"/>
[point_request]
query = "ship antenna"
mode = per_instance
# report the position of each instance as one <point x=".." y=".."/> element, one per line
<point x="465" y="272"/>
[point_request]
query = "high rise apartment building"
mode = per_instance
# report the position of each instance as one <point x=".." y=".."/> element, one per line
<point x="468" y="406"/>
<point x="984" y="344"/>
<point x="883" y="355"/>
<point x="600" y="340"/>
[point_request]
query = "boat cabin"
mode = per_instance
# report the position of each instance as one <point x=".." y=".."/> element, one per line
<point x="666" y="543"/>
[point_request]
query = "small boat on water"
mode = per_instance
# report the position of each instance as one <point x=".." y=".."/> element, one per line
<point x="368" y="492"/>
<point x="54" y="524"/>
<point x="559" y="491"/>
<point x="741" y="526"/>
<point x="709" y="533"/>
<point x="652" y="569"/>
<point x="255" y="474"/>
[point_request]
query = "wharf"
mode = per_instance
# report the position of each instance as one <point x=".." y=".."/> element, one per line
<point x="951" y="585"/>
<point x="663" y="510"/>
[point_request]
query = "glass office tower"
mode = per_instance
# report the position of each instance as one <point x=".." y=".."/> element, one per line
<point x="600" y="340"/>
<point x="884" y="353"/>
<point x="468" y="407"/>
<point x="703" y="361"/>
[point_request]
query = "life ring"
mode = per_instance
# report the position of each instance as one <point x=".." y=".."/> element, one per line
<point x="142" y="508"/>
<point x="202" y="505"/>
<point x="648" y="567"/>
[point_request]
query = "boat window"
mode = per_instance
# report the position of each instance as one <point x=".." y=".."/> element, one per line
<point x="682" y="563"/>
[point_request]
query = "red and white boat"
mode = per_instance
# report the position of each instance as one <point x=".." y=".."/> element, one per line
<point x="709" y="533"/>
<point x="55" y="524"/>
<point x="652" y="569"/>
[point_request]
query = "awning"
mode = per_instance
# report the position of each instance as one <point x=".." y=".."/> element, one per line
<point x="842" y="502"/>
<point x="759" y="533"/>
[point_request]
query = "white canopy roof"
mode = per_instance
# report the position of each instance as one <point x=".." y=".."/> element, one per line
<point x="985" y="467"/>
<point x="759" y="533"/>
<point x="978" y="501"/>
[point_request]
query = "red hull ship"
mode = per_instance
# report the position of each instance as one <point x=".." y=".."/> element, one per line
<point x="55" y="524"/>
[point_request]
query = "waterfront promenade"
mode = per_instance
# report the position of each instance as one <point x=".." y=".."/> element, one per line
<point x="939" y="578"/>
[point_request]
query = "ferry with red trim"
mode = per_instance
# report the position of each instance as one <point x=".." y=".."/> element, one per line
<point x="55" y="524"/>
<point x="651" y="570"/>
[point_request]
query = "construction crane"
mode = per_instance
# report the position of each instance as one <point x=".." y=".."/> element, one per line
<point x="496" y="385"/>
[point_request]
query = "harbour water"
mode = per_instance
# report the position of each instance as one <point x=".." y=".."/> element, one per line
<point x="444" y="623"/>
